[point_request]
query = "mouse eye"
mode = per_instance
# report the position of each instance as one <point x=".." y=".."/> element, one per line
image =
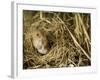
<point x="37" y="34"/>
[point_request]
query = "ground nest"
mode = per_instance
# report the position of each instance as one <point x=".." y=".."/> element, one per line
<point x="68" y="35"/>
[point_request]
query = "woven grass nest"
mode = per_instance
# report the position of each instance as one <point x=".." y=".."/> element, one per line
<point x="68" y="35"/>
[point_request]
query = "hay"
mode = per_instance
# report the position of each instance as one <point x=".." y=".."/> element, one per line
<point x="68" y="35"/>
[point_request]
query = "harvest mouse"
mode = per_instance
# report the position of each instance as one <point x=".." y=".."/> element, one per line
<point x="40" y="41"/>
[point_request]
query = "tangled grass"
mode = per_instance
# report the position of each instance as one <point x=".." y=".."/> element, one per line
<point x="68" y="34"/>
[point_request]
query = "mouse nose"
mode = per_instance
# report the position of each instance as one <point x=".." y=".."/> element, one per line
<point x="42" y="50"/>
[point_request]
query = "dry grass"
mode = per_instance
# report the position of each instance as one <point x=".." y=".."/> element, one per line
<point x="68" y="35"/>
